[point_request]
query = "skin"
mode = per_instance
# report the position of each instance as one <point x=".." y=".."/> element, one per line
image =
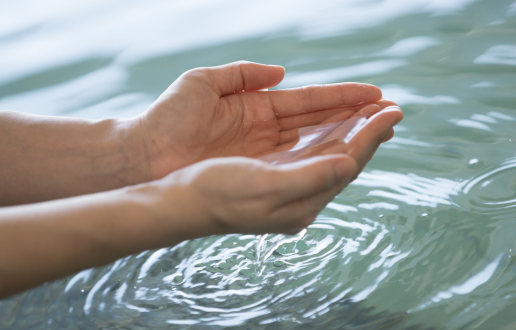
<point x="184" y="169"/>
<point x="205" y="113"/>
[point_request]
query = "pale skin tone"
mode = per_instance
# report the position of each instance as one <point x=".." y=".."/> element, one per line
<point x="186" y="168"/>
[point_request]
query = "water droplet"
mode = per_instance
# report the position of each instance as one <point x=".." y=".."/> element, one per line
<point x="278" y="263"/>
<point x="178" y="279"/>
<point x="82" y="290"/>
<point x="380" y="216"/>
<point x="424" y="215"/>
<point x="473" y="161"/>
<point x="223" y="265"/>
<point x="308" y="238"/>
<point x="301" y="246"/>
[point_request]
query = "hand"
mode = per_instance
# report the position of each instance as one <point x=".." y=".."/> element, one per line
<point x="244" y="195"/>
<point x="223" y="111"/>
<point x="331" y="137"/>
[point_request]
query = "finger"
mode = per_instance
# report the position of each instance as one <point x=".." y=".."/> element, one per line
<point x="288" y="136"/>
<point x="390" y="136"/>
<point x="363" y="110"/>
<point x="376" y="130"/>
<point x="306" y="178"/>
<point x="335" y="137"/>
<point x="318" y="133"/>
<point x="315" y="118"/>
<point x="332" y="115"/>
<point x="242" y="75"/>
<point x="313" y="135"/>
<point x="300" y="213"/>
<point x="366" y="112"/>
<point x="290" y="102"/>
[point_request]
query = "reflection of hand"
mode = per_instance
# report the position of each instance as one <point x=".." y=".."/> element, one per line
<point x="221" y="111"/>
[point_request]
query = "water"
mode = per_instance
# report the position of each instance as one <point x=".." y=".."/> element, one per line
<point x="423" y="239"/>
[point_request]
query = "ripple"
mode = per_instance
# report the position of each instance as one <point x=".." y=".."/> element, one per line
<point x="495" y="190"/>
<point x="213" y="282"/>
<point x="427" y="220"/>
<point x="500" y="54"/>
<point x="410" y="189"/>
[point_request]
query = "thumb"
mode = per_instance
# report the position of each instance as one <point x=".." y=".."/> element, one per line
<point x="243" y="75"/>
<point x="312" y="176"/>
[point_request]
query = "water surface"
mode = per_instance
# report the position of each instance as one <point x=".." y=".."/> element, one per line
<point x="423" y="239"/>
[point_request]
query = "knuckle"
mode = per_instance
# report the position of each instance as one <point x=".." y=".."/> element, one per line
<point x="196" y="73"/>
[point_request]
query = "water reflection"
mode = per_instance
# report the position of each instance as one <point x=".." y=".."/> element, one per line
<point x="428" y="228"/>
<point x="218" y="282"/>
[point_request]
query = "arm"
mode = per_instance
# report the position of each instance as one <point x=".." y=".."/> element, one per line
<point x="45" y="241"/>
<point x="44" y="158"/>
<point x="207" y="112"/>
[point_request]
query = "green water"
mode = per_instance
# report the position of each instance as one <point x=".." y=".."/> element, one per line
<point x="423" y="239"/>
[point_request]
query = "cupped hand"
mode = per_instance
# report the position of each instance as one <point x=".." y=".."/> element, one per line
<point x="245" y="195"/>
<point x="224" y="111"/>
<point x="341" y="137"/>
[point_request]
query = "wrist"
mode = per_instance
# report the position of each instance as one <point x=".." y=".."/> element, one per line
<point x="133" y="153"/>
<point x="171" y="212"/>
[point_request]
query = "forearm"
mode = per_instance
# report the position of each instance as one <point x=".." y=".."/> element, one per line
<point x="44" y="158"/>
<point x="45" y="241"/>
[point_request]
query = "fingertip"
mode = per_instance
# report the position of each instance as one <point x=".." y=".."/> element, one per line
<point x="397" y="113"/>
<point x="368" y="110"/>
<point x="383" y="103"/>
<point x="279" y="74"/>
<point x="374" y="91"/>
<point x="391" y="115"/>
<point x="390" y="136"/>
<point x="278" y="67"/>
<point x="271" y="74"/>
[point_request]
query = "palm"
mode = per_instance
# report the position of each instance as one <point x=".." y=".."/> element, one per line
<point x="200" y="116"/>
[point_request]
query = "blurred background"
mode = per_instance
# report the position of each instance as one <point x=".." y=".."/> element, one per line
<point x="423" y="239"/>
